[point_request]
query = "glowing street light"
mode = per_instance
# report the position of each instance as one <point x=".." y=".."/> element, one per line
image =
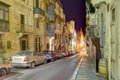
<point x="50" y="42"/>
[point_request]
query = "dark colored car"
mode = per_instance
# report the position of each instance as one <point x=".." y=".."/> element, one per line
<point x="73" y="52"/>
<point x="48" y="55"/>
<point x="54" y="55"/>
<point x="65" y="54"/>
<point x="59" y="54"/>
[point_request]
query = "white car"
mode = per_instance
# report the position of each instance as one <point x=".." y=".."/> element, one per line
<point x="27" y="59"/>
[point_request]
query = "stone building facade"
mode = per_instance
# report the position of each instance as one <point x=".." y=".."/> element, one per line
<point x="107" y="20"/>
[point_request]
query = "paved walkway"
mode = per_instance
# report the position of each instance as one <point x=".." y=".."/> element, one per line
<point x="86" y="70"/>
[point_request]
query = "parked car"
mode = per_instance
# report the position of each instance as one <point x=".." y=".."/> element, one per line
<point x="59" y="54"/>
<point x="48" y="55"/>
<point x="64" y="53"/>
<point x="27" y="59"/>
<point x="69" y="53"/>
<point x="73" y="52"/>
<point x="54" y="55"/>
<point x="4" y="69"/>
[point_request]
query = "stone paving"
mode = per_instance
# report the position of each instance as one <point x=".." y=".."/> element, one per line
<point x="87" y="70"/>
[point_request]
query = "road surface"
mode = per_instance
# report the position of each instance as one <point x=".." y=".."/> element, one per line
<point x="62" y="69"/>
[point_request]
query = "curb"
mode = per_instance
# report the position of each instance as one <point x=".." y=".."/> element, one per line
<point x="74" y="76"/>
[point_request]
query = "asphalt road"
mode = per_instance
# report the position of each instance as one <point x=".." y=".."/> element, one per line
<point x="62" y="69"/>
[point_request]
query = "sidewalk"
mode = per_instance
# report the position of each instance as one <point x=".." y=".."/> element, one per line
<point x="86" y="70"/>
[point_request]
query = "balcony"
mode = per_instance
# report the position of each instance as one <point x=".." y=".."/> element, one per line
<point x="4" y="26"/>
<point x="25" y="29"/>
<point x="38" y="12"/>
<point x="51" y="18"/>
<point x="58" y="30"/>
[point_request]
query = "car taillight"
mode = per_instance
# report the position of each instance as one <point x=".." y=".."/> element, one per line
<point x="26" y="59"/>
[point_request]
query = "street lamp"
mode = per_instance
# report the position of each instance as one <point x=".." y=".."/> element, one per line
<point x="50" y="42"/>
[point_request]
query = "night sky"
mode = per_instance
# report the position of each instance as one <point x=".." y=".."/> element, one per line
<point x="75" y="10"/>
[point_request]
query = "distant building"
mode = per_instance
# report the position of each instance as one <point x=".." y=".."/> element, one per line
<point x="59" y="25"/>
<point x="71" y="32"/>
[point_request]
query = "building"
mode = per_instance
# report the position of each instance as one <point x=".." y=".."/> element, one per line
<point x="16" y="27"/>
<point x="40" y="20"/>
<point x="30" y="25"/>
<point x="59" y="25"/>
<point x="72" y="37"/>
<point x="26" y="26"/>
<point x="107" y="20"/>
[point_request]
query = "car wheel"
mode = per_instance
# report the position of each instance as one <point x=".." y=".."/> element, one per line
<point x="45" y="61"/>
<point x="32" y="65"/>
<point x="52" y="60"/>
<point x="8" y="70"/>
<point x="3" y="71"/>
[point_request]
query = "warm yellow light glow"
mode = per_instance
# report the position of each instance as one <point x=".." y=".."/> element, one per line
<point x="82" y="44"/>
<point x="50" y="41"/>
<point x="75" y="34"/>
<point x="73" y="43"/>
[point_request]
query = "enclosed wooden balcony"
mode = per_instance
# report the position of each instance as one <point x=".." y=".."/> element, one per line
<point x="39" y="13"/>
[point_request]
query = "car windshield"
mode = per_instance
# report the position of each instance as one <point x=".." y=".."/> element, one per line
<point x="24" y="53"/>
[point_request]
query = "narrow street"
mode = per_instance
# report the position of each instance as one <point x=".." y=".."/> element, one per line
<point x="58" y="70"/>
<point x="59" y="40"/>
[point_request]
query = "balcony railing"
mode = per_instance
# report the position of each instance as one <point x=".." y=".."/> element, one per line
<point x="39" y="11"/>
<point x="22" y="28"/>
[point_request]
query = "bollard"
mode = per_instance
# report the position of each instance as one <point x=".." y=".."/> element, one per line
<point x="102" y="68"/>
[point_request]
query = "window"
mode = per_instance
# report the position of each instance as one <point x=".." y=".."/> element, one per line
<point x="1" y="14"/>
<point x="102" y="18"/>
<point x="37" y="23"/>
<point x="47" y="26"/>
<point x="22" y="17"/>
<point x="8" y="44"/>
<point x="0" y="43"/>
<point x="51" y="12"/>
<point x="4" y="17"/>
<point x="24" y="45"/>
<point x="37" y="3"/>
<point x="113" y="14"/>
<point x="55" y="36"/>
<point x="37" y="44"/>
<point x="22" y="22"/>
